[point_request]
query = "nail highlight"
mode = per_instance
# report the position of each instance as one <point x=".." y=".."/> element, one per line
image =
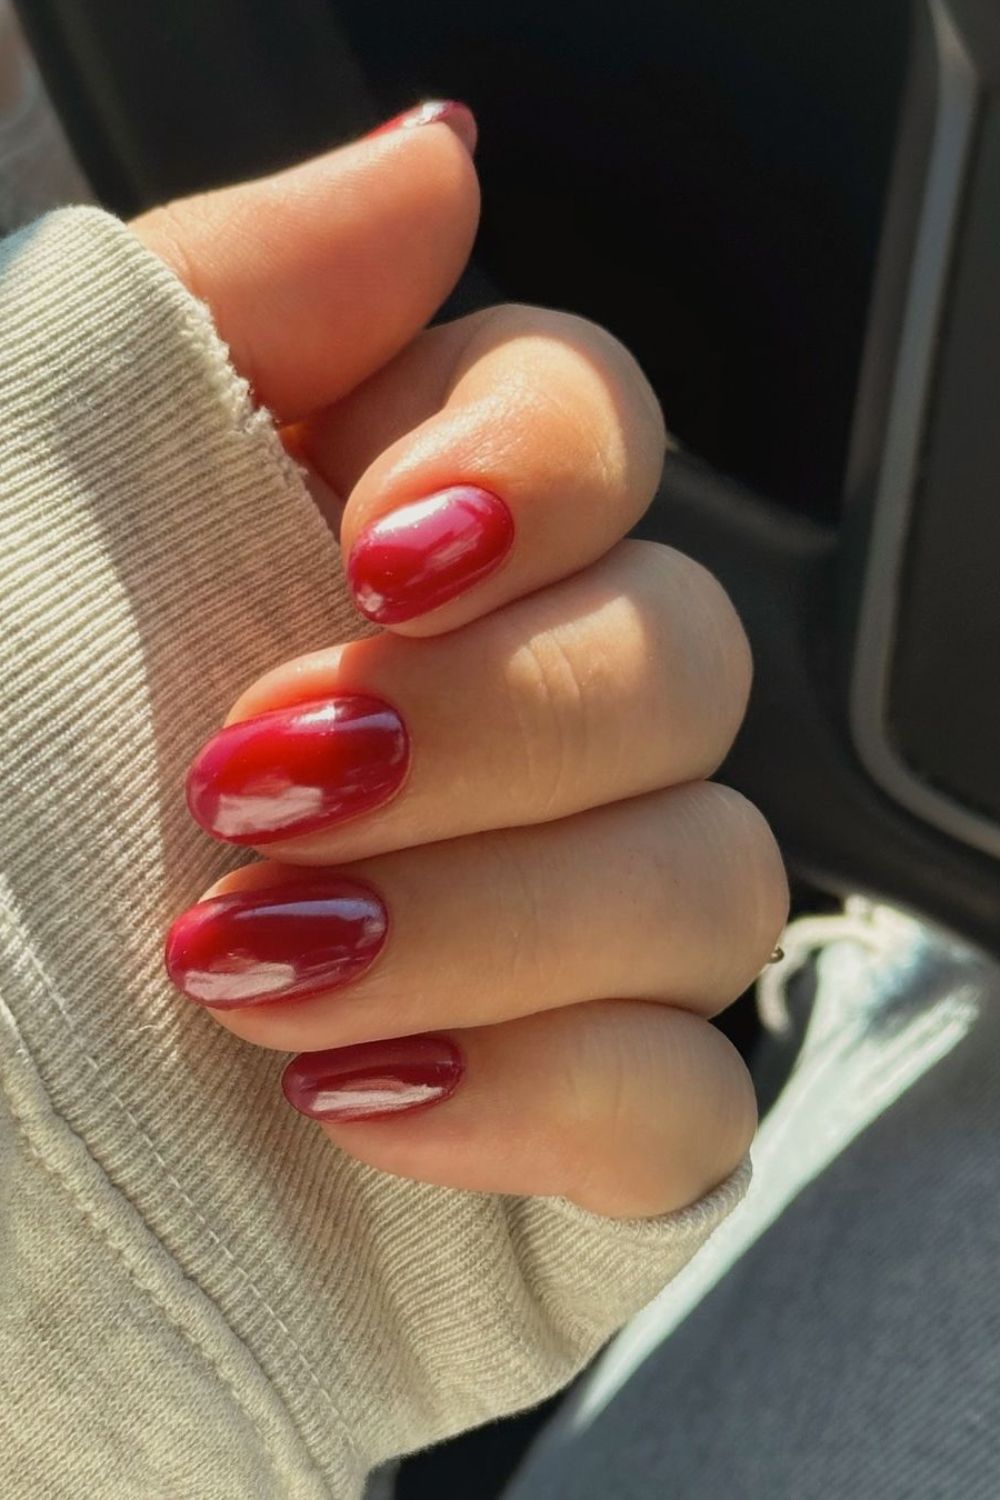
<point x="298" y="769"/>
<point x="282" y="942"/>
<point x="374" y="1079"/>
<point x="417" y="557"/>
<point x="458" y="117"/>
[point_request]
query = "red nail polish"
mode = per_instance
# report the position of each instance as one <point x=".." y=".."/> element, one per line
<point x="420" y="555"/>
<point x="293" y="770"/>
<point x="458" y="117"/>
<point x="373" y="1080"/>
<point x="278" y="943"/>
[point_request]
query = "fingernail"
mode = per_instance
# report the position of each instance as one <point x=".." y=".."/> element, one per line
<point x="280" y="943"/>
<point x="293" y="770"/>
<point x="458" y="117"/>
<point x="420" y="555"/>
<point x="374" y="1079"/>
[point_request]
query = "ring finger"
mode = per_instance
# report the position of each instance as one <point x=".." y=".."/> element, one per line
<point x="678" y="896"/>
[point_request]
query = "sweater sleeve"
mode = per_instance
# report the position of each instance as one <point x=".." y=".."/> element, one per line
<point x="199" y="1295"/>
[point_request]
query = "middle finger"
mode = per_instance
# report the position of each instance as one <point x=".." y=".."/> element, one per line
<point x="626" y="678"/>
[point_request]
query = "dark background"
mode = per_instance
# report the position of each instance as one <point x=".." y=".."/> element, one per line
<point x="705" y="177"/>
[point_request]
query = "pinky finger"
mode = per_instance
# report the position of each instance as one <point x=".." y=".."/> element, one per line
<point x="625" y="1108"/>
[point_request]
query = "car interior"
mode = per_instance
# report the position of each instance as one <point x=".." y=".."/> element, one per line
<point x="790" y="214"/>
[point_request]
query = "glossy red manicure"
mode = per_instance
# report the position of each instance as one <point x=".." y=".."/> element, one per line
<point x="293" y="770"/>
<point x="277" y="943"/>
<point x="458" y="117"/>
<point x="420" y="555"/>
<point x="375" y="1079"/>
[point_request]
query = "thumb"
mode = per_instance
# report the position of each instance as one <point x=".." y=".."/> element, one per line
<point x="318" y="275"/>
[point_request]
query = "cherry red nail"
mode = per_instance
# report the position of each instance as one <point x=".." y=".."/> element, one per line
<point x="422" y="554"/>
<point x="277" y="943"/>
<point x="374" y="1079"/>
<point x="458" y="117"/>
<point x="297" y="769"/>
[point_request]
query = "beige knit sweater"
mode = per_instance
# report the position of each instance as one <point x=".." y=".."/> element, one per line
<point x="199" y="1297"/>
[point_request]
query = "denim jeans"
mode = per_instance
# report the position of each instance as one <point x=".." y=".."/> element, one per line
<point x="839" y="1339"/>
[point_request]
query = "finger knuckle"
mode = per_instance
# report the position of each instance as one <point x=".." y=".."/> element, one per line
<point x="550" y="701"/>
<point x="736" y="1112"/>
<point x="598" y="1112"/>
<point x="520" y="940"/>
<point x="758" y="886"/>
<point x="720" y="1110"/>
<point x="694" y="1094"/>
<point x="720" y="651"/>
<point x="592" y="388"/>
<point x="631" y="403"/>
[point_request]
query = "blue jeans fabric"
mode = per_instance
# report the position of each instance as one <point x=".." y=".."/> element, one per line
<point x="850" y="1348"/>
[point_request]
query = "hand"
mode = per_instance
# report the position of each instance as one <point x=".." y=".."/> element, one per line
<point x="500" y="899"/>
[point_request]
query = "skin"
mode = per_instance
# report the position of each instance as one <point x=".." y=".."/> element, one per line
<point x="571" y="898"/>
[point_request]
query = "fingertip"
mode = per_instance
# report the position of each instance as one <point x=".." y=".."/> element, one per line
<point x="458" y="117"/>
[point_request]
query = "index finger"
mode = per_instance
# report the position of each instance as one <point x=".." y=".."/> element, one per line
<point x="542" y="447"/>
